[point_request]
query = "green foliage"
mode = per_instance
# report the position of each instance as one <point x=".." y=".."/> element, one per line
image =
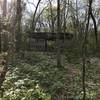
<point x="39" y="78"/>
<point x="17" y="88"/>
<point x="36" y="77"/>
<point x="72" y="51"/>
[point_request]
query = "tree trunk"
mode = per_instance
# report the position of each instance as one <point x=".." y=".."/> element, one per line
<point x="18" y="30"/>
<point x="58" y="36"/>
<point x="4" y="8"/>
<point x="33" y="20"/>
<point x="0" y="36"/>
<point x="84" y="48"/>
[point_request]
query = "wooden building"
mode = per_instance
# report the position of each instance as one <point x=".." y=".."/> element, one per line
<point x="46" y="41"/>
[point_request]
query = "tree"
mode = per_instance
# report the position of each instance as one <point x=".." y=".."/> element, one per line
<point x="34" y="15"/>
<point x="58" y="37"/>
<point x="0" y="34"/>
<point x="4" y="12"/>
<point x="18" y="30"/>
<point x="4" y="8"/>
<point x="84" y="45"/>
<point x="52" y="16"/>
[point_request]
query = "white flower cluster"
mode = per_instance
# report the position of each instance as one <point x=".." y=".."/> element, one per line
<point x="19" y="83"/>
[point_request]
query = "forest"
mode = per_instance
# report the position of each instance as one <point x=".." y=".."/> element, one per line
<point x="49" y="49"/>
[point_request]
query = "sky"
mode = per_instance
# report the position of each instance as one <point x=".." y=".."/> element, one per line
<point x="31" y="7"/>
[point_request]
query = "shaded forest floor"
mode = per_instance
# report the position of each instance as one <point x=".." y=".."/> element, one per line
<point x="36" y="77"/>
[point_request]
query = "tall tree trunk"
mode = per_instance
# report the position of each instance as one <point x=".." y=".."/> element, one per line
<point x="64" y="3"/>
<point x="0" y="36"/>
<point x="84" y="52"/>
<point x="18" y="30"/>
<point x="84" y="46"/>
<point x="58" y="34"/>
<point x="34" y="15"/>
<point x="3" y="15"/>
<point x="4" y="8"/>
<point x="52" y="19"/>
